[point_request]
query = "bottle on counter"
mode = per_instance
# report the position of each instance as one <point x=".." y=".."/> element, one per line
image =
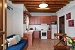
<point x="49" y="28"/>
<point x="35" y="28"/>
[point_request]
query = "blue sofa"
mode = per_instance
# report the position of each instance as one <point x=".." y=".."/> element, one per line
<point x="22" y="45"/>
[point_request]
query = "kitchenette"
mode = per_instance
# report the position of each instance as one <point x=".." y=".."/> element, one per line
<point x="37" y="32"/>
<point x="40" y="28"/>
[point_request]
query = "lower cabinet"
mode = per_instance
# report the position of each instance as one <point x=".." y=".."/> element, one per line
<point x="36" y="34"/>
<point x="49" y="34"/>
<point x="30" y="38"/>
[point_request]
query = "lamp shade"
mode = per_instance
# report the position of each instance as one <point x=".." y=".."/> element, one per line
<point x="43" y="5"/>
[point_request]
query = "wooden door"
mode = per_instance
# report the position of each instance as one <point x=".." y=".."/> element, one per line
<point x="2" y="19"/>
<point x="61" y="25"/>
<point x="1" y="15"/>
<point x="1" y="24"/>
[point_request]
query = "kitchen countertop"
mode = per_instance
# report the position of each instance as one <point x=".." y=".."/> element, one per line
<point x="48" y="30"/>
<point x="29" y="32"/>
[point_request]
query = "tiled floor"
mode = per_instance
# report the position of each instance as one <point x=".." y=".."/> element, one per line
<point x="39" y="44"/>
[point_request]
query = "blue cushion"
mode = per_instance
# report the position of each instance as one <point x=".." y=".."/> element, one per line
<point x="19" y="46"/>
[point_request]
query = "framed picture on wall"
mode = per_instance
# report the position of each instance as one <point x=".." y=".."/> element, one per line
<point x="71" y="23"/>
<point x="68" y="16"/>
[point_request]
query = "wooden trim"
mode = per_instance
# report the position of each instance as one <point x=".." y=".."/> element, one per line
<point x="5" y="19"/>
<point x="1" y="15"/>
<point x="1" y="32"/>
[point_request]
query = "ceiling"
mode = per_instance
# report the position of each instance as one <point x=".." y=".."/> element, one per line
<point x="33" y="5"/>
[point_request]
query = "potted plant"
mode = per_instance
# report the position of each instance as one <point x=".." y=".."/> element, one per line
<point x="71" y="40"/>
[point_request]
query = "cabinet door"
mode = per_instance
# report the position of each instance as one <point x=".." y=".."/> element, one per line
<point x="31" y="20"/>
<point x="48" y="34"/>
<point x="35" y="20"/>
<point x="48" y="20"/>
<point x="1" y="15"/>
<point x="38" y="20"/>
<point x="54" y="18"/>
<point x="41" y="19"/>
<point x="44" y="20"/>
<point x="36" y="34"/>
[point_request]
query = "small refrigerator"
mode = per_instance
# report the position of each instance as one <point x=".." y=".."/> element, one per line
<point x="53" y="30"/>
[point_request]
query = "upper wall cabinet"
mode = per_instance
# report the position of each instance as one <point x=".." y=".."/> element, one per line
<point x="53" y="18"/>
<point x="36" y="20"/>
<point x="1" y="15"/>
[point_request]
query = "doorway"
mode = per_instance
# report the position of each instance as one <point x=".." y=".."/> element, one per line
<point x="61" y="25"/>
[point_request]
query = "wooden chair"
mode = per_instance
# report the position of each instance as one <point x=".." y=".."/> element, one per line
<point x="56" y="35"/>
<point x="64" y="46"/>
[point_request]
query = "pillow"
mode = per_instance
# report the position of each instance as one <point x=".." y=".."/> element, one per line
<point x="9" y="39"/>
<point x="18" y="38"/>
<point x="17" y="41"/>
<point x="12" y="41"/>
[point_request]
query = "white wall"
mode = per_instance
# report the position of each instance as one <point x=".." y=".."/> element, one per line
<point x="9" y="20"/>
<point x="39" y="27"/>
<point x="15" y="19"/>
<point x="70" y="31"/>
<point x="18" y="19"/>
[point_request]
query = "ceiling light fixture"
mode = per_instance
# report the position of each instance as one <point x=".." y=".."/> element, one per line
<point x="43" y="5"/>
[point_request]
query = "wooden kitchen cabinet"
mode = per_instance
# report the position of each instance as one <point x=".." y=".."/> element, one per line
<point x="31" y="20"/>
<point x="36" y="34"/>
<point x="30" y="38"/>
<point x="48" y="34"/>
<point x="38" y="20"/>
<point x="48" y="20"/>
<point x="54" y="18"/>
<point x="35" y="20"/>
